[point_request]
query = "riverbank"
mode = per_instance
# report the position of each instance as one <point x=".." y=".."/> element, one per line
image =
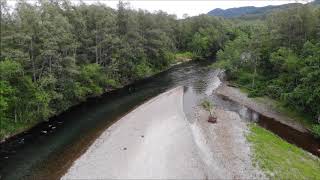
<point x="152" y="141"/>
<point x="224" y="145"/>
<point x="18" y="128"/>
<point x="240" y="97"/>
<point x="271" y="148"/>
<point x="156" y="140"/>
<point x="50" y="155"/>
<point x="279" y="159"/>
<point x="39" y="155"/>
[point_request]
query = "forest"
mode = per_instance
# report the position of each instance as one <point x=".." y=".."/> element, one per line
<point x="55" y="54"/>
<point x="279" y="57"/>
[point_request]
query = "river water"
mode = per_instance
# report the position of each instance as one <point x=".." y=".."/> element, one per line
<point x="49" y="149"/>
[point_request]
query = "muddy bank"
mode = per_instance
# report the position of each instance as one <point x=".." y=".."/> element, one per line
<point x="270" y="119"/>
<point x="236" y="95"/>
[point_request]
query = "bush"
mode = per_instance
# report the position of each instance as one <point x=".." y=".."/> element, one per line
<point x="208" y="106"/>
<point x="142" y="70"/>
<point x="255" y="93"/>
<point x="244" y="78"/>
<point x="184" y="56"/>
<point x="316" y="130"/>
<point x="273" y="91"/>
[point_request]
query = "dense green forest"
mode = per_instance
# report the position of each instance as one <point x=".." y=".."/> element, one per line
<point x="55" y="54"/>
<point x="279" y="57"/>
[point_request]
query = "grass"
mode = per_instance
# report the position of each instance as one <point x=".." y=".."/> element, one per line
<point x="279" y="106"/>
<point x="279" y="159"/>
<point x="183" y="56"/>
<point x="304" y="119"/>
<point x="11" y="128"/>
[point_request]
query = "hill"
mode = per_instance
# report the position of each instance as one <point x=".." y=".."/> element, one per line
<point x="251" y="10"/>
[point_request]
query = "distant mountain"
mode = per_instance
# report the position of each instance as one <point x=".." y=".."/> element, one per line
<point x="253" y="11"/>
<point x="316" y="2"/>
<point x="234" y="12"/>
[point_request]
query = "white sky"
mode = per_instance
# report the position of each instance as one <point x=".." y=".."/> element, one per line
<point x="190" y="7"/>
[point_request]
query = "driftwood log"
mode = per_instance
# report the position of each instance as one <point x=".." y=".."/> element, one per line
<point x="212" y="119"/>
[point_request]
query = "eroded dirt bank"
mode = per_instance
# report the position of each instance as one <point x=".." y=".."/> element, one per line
<point x="157" y="141"/>
<point x="236" y="95"/>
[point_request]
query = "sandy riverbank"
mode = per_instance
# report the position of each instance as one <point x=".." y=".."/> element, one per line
<point x="157" y="141"/>
<point x="153" y="141"/>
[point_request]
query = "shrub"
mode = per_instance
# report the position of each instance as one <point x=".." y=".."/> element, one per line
<point x="316" y="130"/>
<point x="208" y="106"/>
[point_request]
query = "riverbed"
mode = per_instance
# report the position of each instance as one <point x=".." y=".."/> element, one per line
<point x="158" y="141"/>
<point x="51" y="148"/>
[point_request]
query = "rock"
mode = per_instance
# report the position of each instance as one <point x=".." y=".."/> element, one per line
<point x="255" y="117"/>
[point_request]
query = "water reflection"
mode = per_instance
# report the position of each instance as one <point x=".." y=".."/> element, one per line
<point x="48" y="155"/>
<point x="303" y="140"/>
<point x="38" y="155"/>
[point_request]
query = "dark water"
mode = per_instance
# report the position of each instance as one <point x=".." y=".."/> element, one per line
<point x="303" y="140"/>
<point x="49" y="149"/>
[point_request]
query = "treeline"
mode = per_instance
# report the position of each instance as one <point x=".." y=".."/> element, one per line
<point x="55" y="54"/>
<point x="279" y="57"/>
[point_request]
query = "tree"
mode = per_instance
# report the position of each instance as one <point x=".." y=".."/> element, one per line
<point x="279" y="56"/>
<point x="122" y="18"/>
<point x="55" y="54"/>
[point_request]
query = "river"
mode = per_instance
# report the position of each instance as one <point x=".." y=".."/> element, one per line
<point x="49" y="149"/>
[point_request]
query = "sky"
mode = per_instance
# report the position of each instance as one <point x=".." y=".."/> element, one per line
<point x="190" y="7"/>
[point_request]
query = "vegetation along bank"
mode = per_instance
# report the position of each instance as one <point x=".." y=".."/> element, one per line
<point x="278" y="55"/>
<point x="55" y="54"/>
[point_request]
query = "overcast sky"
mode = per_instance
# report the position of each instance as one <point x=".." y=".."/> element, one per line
<point x="189" y="7"/>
